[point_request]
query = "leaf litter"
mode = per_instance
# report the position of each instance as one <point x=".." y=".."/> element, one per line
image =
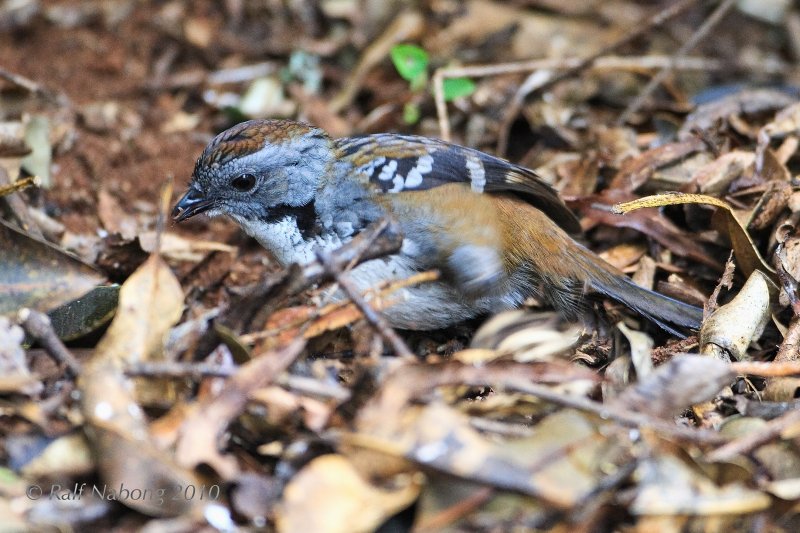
<point x="228" y="394"/>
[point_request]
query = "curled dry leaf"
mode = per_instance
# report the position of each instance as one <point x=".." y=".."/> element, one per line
<point x="151" y="301"/>
<point x="39" y="275"/>
<point x="641" y="346"/>
<point x="329" y="496"/>
<point x="527" y="336"/>
<point x="747" y="255"/>
<point x="678" y="384"/>
<point x="727" y="333"/>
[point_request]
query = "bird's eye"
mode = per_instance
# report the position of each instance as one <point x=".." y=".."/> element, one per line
<point x="243" y="182"/>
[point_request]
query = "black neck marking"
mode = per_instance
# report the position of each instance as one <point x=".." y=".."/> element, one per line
<point x="305" y="217"/>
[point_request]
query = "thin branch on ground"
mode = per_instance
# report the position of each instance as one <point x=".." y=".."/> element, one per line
<point x="371" y="315"/>
<point x="38" y="326"/>
<point x="746" y="444"/>
<point x="534" y="84"/>
<point x="641" y="64"/>
<point x="698" y="35"/>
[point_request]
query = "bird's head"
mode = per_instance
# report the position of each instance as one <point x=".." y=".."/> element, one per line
<point x="255" y="167"/>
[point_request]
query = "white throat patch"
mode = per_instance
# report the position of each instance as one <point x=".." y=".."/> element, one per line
<point x="284" y="239"/>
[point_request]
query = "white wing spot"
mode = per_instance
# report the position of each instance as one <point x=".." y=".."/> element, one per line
<point x="423" y="166"/>
<point x="414" y="178"/>
<point x="388" y="170"/>
<point x="477" y="174"/>
<point x="398" y="184"/>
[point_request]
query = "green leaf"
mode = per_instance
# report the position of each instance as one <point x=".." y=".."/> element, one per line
<point x="457" y="88"/>
<point x="411" y="113"/>
<point x="410" y="61"/>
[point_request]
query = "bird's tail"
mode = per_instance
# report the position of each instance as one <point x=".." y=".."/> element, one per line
<point x="672" y="315"/>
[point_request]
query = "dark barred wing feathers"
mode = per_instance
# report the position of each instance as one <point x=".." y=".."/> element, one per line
<point x="397" y="163"/>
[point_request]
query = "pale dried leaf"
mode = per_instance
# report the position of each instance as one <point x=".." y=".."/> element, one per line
<point x="150" y="303"/>
<point x="668" y="486"/>
<point x="330" y="496"/>
<point x="729" y="331"/>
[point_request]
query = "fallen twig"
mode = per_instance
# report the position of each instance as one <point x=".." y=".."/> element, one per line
<point x="746" y="444"/>
<point x="698" y="35"/>
<point x="38" y="326"/>
<point x="371" y="315"/>
<point x="197" y="371"/>
<point x="531" y="86"/>
<point x="641" y="64"/>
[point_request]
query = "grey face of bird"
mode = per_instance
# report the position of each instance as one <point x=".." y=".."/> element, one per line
<point x="253" y="168"/>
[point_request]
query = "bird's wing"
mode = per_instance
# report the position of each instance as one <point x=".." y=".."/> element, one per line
<point x="394" y="163"/>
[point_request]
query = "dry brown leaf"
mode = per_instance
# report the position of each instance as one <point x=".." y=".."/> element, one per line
<point x="715" y="177"/>
<point x="746" y="101"/>
<point x="559" y="463"/>
<point x="771" y="204"/>
<point x="635" y="171"/>
<point x="37" y="274"/>
<point x="330" y="496"/>
<point x="205" y="425"/>
<point x="151" y="301"/>
<point x="113" y="216"/>
<point x="623" y="255"/>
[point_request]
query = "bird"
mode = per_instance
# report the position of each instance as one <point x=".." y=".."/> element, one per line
<point x="497" y="233"/>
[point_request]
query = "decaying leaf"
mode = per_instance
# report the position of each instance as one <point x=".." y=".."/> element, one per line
<point x="635" y="171"/>
<point x="559" y="463"/>
<point x="205" y="424"/>
<point x="39" y="275"/>
<point x="716" y="176"/>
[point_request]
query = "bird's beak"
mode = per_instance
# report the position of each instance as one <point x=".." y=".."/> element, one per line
<point x="192" y="203"/>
